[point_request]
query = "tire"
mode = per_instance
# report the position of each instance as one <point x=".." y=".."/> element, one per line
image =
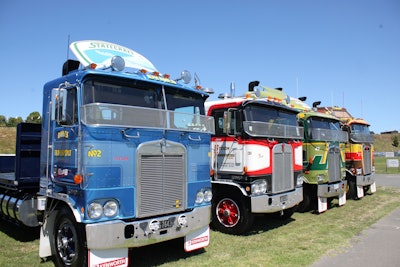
<point x="230" y="215"/>
<point x="306" y="204"/>
<point x="68" y="242"/>
<point x="351" y="189"/>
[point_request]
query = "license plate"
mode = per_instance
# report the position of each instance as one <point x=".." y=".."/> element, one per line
<point x="283" y="198"/>
<point x="168" y="223"/>
<point x="336" y="186"/>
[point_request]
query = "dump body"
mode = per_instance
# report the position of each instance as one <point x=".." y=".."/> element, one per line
<point x="19" y="176"/>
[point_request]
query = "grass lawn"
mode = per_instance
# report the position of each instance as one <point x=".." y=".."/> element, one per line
<point x="297" y="242"/>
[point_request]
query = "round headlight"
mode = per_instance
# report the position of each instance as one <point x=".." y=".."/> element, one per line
<point x="199" y="197"/>
<point x="207" y="195"/>
<point x="95" y="210"/>
<point x="259" y="187"/>
<point x="299" y="180"/>
<point x="110" y="208"/>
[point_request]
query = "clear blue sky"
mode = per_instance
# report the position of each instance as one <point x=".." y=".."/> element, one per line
<point x="340" y="52"/>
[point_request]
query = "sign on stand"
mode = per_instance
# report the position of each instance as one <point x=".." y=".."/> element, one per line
<point x="392" y="163"/>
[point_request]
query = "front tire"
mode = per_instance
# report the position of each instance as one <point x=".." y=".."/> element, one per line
<point x="230" y="215"/>
<point x="68" y="242"/>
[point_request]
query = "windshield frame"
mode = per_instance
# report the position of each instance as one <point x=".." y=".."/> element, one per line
<point x="130" y="103"/>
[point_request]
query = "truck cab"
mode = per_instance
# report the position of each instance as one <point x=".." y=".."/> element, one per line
<point x="256" y="160"/>
<point x="324" y="160"/>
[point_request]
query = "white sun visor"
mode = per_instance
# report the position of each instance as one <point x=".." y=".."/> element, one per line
<point x="100" y="53"/>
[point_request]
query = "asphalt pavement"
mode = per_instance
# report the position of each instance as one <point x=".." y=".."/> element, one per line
<point x="378" y="245"/>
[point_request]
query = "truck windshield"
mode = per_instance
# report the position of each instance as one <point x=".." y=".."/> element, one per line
<point x="360" y="133"/>
<point x="265" y="121"/>
<point x="325" y="129"/>
<point x="143" y="105"/>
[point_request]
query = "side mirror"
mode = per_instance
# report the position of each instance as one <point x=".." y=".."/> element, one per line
<point x="59" y="105"/>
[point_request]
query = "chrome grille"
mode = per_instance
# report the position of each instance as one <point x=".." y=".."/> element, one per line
<point x="282" y="168"/>
<point x="367" y="160"/>
<point x="161" y="179"/>
<point x="334" y="164"/>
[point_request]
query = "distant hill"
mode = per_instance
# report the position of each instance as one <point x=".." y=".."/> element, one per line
<point x="382" y="142"/>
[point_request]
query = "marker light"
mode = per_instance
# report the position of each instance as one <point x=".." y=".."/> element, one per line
<point x="92" y="66"/>
<point x="78" y="179"/>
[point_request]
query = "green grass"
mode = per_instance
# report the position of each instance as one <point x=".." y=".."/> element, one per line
<point x="7" y="140"/>
<point x="299" y="241"/>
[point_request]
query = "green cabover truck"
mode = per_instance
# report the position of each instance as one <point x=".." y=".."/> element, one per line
<point x="323" y="159"/>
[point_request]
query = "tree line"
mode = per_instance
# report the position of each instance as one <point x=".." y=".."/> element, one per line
<point x="33" y="117"/>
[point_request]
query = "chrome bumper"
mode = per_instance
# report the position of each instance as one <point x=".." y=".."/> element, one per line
<point x="365" y="180"/>
<point x="270" y="204"/>
<point x="120" y="234"/>
<point x="332" y="190"/>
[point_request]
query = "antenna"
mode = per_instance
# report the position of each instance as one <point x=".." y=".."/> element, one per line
<point x="68" y="47"/>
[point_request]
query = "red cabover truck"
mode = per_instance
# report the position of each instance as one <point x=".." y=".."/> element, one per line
<point x="256" y="158"/>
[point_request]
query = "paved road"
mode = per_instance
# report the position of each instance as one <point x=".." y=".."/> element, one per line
<point x="377" y="246"/>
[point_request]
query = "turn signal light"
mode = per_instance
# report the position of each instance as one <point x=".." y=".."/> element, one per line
<point x="78" y="179"/>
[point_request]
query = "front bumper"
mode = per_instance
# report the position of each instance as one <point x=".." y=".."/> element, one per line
<point x="365" y="180"/>
<point x="120" y="234"/>
<point x="279" y="202"/>
<point x="332" y="190"/>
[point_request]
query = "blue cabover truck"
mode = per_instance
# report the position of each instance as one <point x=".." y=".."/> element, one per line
<point x="121" y="160"/>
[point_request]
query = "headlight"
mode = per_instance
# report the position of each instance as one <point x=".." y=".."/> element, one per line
<point x="299" y="181"/>
<point x="199" y="197"/>
<point x="207" y="195"/>
<point x="95" y="210"/>
<point x="321" y="178"/>
<point x="259" y="187"/>
<point x="203" y="195"/>
<point x="110" y="208"/>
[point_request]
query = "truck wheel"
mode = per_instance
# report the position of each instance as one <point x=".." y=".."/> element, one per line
<point x="68" y="243"/>
<point x="231" y="215"/>
<point x="351" y="189"/>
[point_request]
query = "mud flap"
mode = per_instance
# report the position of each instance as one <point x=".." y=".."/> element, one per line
<point x="342" y="199"/>
<point x="110" y="257"/>
<point x="322" y="204"/>
<point x="46" y="232"/>
<point x="360" y="191"/>
<point x="372" y="187"/>
<point x="197" y="239"/>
